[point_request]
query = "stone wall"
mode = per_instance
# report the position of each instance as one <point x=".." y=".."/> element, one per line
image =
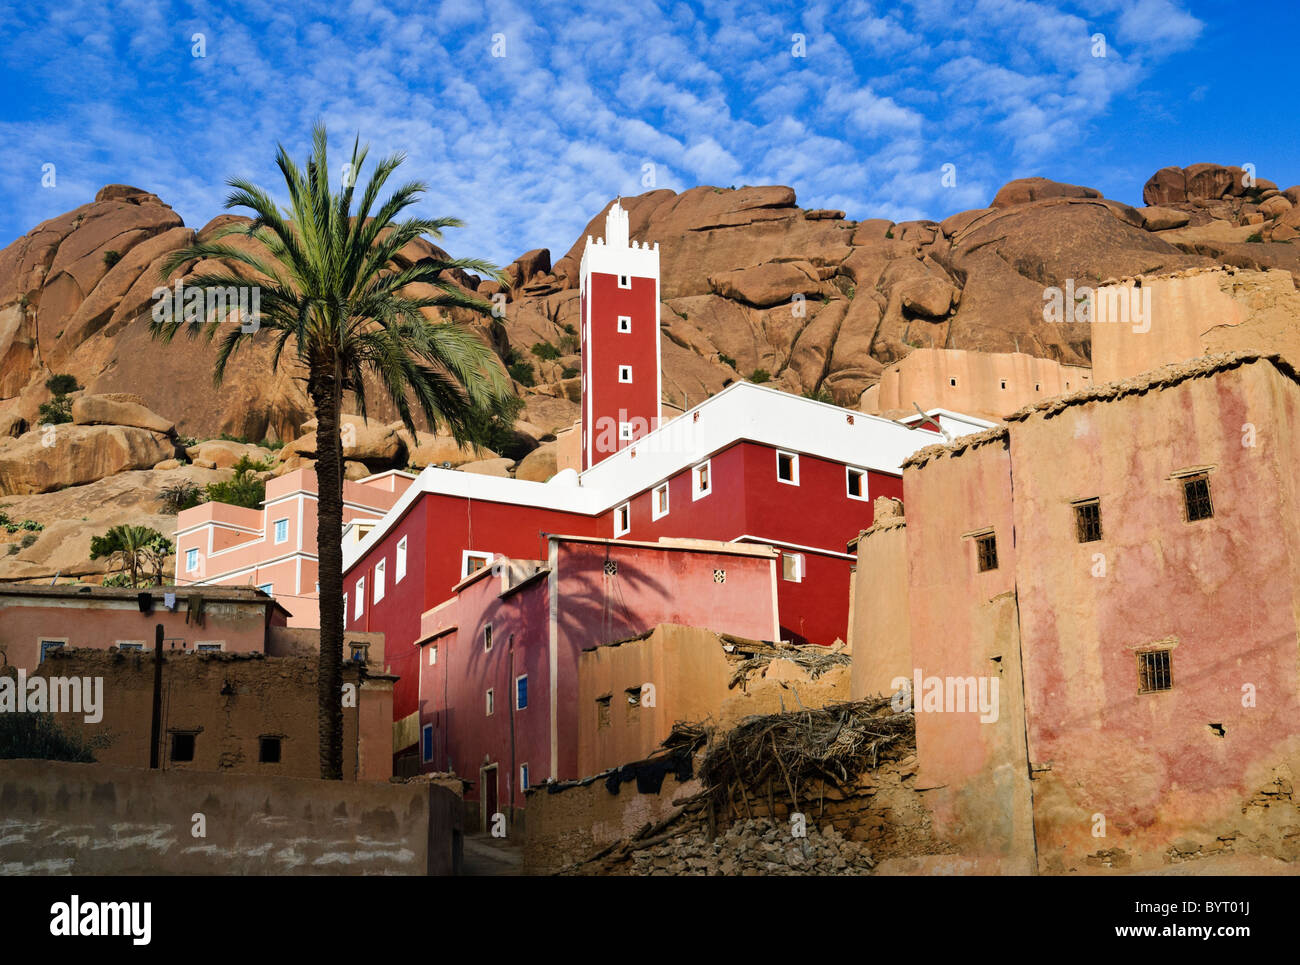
<point x="99" y="819"/>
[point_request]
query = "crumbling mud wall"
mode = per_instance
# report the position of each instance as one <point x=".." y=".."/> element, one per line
<point x="98" y="819"/>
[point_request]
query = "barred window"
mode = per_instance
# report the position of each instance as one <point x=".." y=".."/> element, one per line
<point x="986" y="548"/>
<point x="1087" y="521"/>
<point x="1155" y="671"/>
<point x="1196" y="494"/>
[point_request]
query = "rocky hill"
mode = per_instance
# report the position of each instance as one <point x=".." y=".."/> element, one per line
<point x="753" y="287"/>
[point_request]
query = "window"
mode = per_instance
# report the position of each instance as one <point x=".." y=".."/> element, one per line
<point x="624" y="281"/>
<point x="433" y="655"/>
<point x="719" y="576"/>
<point x="659" y="502"/>
<point x="48" y="645"/>
<point x="625" y="323"/>
<point x="953" y="383"/>
<point x="380" y="567"/>
<point x="523" y="777"/>
<point x="986" y="551"/>
<point x="357" y="652"/>
<point x="268" y="750"/>
<point x="521" y="692"/>
<point x="130" y="644"/>
<point x="625" y="373"/>
<point x="1087" y="520"/>
<point x="471" y="562"/>
<point x="490" y="702"/>
<point x="1155" y="671"/>
<point x="1003" y="383"/>
<point x="182" y="747"/>
<point x="360" y="605"/>
<point x="701" y="481"/>
<point x="625" y="431"/>
<point x="267" y="588"/>
<point x="602" y="711"/>
<point x="792" y="567"/>
<point x="1196" y="496"/>
<point x="282" y="530"/>
<point x="787" y="467"/>
<point x="623" y="519"/>
<point x="487" y="638"/>
<point x="401" y="561"/>
<point x="345" y="608"/>
<point x="855" y="481"/>
<point x="210" y="646"/>
<point x="426" y="743"/>
<point x="611" y="567"/>
<point x="191" y="560"/>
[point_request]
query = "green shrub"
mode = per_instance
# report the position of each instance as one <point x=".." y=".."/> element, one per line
<point x="111" y="258"/>
<point x="62" y="384"/>
<point x="28" y="539"/>
<point x="726" y="359"/>
<point x="819" y="395"/>
<point x="1255" y="237"/>
<point x="183" y="495"/>
<point x="38" y="737"/>
<point x="31" y="525"/>
<point x="759" y="376"/>
<point x="522" y="372"/>
<point x="569" y="372"/>
<point x="244" y="489"/>
<point x="495" y="428"/>
<point x="546" y="351"/>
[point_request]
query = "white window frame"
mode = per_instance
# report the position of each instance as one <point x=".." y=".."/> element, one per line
<point x="655" y="512"/>
<point x="359" y="603"/>
<point x="862" y="482"/>
<point x="489" y="703"/>
<point x="400" y="573"/>
<point x="625" y="374"/>
<point x="524" y="678"/>
<point x="623" y="278"/>
<point x="696" y="491"/>
<point x="380" y="570"/>
<point x="276" y="530"/>
<point x="468" y="555"/>
<point x="794" y="467"/>
<point x="345" y="609"/>
<point x="191" y="559"/>
<point x="798" y="559"/>
<point x="625" y="324"/>
<point x="209" y="646"/>
<point x="624" y="513"/>
<point x="426" y="729"/>
<point x="487" y="638"/>
<point x="433" y="655"/>
<point x="130" y="644"/>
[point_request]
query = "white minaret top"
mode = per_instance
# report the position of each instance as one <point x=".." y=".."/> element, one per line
<point x="616" y="226"/>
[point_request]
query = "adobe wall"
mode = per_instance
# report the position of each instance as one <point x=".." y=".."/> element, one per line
<point x="1195" y="312"/>
<point x="881" y="635"/>
<point x="990" y="385"/>
<point x="229" y="702"/>
<point x="963" y="624"/>
<point x="1208" y="765"/>
<point x="100" y="819"/>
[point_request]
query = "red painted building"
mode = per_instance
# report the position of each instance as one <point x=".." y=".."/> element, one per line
<point x="750" y="465"/>
<point x="498" y="665"/>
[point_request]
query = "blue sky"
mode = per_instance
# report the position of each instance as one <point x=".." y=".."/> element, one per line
<point x="526" y="147"/>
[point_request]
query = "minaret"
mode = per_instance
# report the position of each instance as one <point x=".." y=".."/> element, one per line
<point x="621" y="382"/>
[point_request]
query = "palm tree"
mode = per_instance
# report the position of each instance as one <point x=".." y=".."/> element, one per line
<point x="331" y="293"/>
<point x="127" y="546"/>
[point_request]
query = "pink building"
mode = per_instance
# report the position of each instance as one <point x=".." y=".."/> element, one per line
<point x="274" y="548"/>
<point x="498" y="668"/>
<point x="37" y="619"/>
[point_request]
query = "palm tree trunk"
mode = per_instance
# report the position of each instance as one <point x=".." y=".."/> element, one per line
<point x="325" y="389"/>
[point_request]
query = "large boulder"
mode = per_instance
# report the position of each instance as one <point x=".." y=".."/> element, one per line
<point x="774" y="283"/>
<point x="223" y="453"/>
<point x="45" y="460"/>
<point x="489" y="467"/>
<point x="1024" y="190"/>
<point x="1156" y="218"/>
<point x="439" y="449"/>
<point x="363" y="441"/>
<point x="539" y="465"/>
<point x="117" y="410"/>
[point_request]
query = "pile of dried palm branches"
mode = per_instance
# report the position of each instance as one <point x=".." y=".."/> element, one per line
<point x="832" y="745"/>
<point x="751" y="657"/>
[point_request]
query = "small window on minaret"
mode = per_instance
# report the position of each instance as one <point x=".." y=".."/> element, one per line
<point x="625" y="373"/>
<point x="625" y="431"/>
<point x="624" y="281"/>
<point x="625" y="323"/>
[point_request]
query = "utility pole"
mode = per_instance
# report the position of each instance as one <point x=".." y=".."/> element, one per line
<point x="155" y="728"/>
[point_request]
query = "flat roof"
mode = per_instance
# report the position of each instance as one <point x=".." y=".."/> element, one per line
<point x="90" y="591"/>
